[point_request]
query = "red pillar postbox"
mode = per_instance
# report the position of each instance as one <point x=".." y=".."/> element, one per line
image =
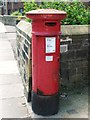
<point x="45" y="59"/>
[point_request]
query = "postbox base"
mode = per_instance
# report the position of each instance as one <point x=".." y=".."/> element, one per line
<point x="45" y="105"/>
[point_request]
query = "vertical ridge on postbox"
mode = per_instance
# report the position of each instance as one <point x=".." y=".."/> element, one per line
<point x="45" y="59"/>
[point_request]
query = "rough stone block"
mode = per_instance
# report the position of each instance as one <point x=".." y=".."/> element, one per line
<point x="64" y="81"/>
<point x="77" y="63"/>
<point x="82" y="53"/>
<point x="74" y="46"/>
<point x="75" y="78"/>
<point x="69" y="55"/>
<point x="64" y="73"/>
<point x="64" y="65"/>
<point x="78" y="38"/>
<point x="72" y="71"/>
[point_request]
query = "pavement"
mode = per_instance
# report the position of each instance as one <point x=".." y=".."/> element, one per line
<point x="73" y="103"/>
<point x="12" y="100"/>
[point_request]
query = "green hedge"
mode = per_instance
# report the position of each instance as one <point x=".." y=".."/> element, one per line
<point x="16" y="13"/>
<point x="77" y="12"/>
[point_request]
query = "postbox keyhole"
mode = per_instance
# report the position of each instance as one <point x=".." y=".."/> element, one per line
<point x="50" y="23"/>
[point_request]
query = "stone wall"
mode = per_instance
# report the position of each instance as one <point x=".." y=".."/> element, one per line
<point x="24" y="55"/>
<point x="74" y="62"/>
<point x="8" y="20"/>
<point x="73" y="51"/>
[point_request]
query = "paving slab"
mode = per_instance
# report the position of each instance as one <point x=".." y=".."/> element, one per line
<point x="5" y="44"/>
<point x="8" y="67"/>
<point x="4" y="56"/>
<point x="6" y="79"/>
<point x="10" y="29"/>
<point x="14" y="108"/>
<point x="12" y="101"/>
<point x="11" y="90"/>
<point x="2" y="50"/>
<point x="0" y="109"/>
<point x="11" y="35"/>
<point x="6" y="52"/>
<point x="3" y="37"/>
<point x="3" y="28"/>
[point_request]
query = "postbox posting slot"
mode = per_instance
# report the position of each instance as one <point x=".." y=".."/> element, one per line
<point x="51" y="24"/>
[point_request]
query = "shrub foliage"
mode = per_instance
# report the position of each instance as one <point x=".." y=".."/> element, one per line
<point x="77" y="12"/>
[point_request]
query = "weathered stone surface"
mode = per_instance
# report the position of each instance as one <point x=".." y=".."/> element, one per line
<point x="14" y="108"/>
<point x="25" y="27"/>
<point x="74" y="29"/>
<point x="82" y="53"/>
<point x="69" y="55"/>
<point x="74" y="46"/>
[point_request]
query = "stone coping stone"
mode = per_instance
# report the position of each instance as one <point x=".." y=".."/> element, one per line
<point x="75" y="29"/>
<point x="8" y="19"/>
<point x="25" y="27"/>
<point x="65" y="29"/>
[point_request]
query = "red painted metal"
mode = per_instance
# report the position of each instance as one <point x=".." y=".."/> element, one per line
<point x="45" y="38"/>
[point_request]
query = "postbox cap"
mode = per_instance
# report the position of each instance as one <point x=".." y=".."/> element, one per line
<point x="46" y="14"/>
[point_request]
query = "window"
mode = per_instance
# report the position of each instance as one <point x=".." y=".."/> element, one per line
<point x="9" y="12"/>
<point x="21" y="10"/>
<point x="15" y="1"/>
<point x="8" y="3"/>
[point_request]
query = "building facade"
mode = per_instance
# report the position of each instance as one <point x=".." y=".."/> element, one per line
<point x="1" y="8"/>
<point x="11" y="6"/>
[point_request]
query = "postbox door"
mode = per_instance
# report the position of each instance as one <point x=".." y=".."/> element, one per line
<point x="46" y="64"/>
